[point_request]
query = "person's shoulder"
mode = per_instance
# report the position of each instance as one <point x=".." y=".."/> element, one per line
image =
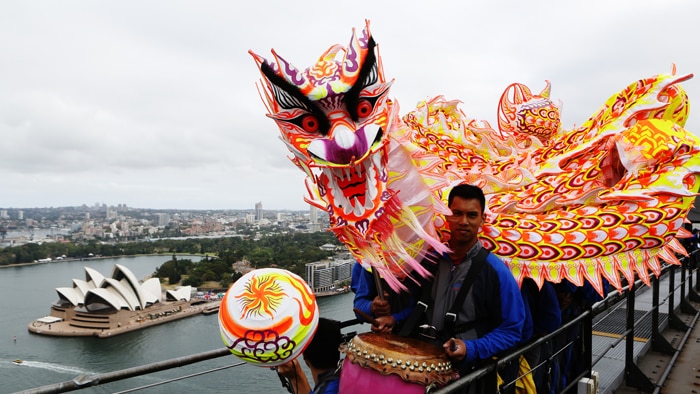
<point x="357" y="268"/>
<point x="333" y="386"/>
<point x="499" y="268"/>
<point x="496" y="262"/>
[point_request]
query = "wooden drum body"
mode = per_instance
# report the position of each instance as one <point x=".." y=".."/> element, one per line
<point x="377" y="362"/>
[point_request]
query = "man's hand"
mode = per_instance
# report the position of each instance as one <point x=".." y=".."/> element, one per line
<point x="386" y="324"/>
<point x="380" y="307"/>
<point x="456" y="349"/>
<point x="290" y="369"/>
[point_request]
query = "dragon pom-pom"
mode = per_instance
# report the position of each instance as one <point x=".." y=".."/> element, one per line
<point x="268" y="316"/>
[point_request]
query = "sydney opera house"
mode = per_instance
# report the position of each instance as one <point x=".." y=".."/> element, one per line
<point x="106" y="306"/>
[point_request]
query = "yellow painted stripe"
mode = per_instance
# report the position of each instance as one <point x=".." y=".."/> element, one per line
<point x="611" y="335"/>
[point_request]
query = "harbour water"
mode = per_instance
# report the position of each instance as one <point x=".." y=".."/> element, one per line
<point x="27" y="293"/>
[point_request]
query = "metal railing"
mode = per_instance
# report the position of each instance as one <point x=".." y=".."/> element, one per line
<point x="485" y="378"/>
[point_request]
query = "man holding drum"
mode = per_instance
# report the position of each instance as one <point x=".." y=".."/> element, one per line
<point x="488" y="317"/>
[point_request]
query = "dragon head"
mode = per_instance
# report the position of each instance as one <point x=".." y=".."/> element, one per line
<point x="333" y="117"/>
<point x="345" y="133"/>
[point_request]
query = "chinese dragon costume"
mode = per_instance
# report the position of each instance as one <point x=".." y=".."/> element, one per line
<point x="606" y="199"/>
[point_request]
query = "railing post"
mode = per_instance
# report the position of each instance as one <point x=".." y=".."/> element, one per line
<point x="685" y="305"/>
<point x="671" y="287"/>
<point x="489" y="383"/>
<point x="692" y="290"/>
<point x="587" y="338"/>
<point x="673" y="320"/>
<point x="684" y="275"/>
<point x="634" y="377"/>
<point x="658" y="342"/>
<point x="696" y="258"/>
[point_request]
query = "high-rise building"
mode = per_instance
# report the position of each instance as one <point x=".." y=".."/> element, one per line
<point x="20" y="215"/>
<point x="315" y="226"/>
<point x="313" y="214"/>
<point x="161" y="219"/>
<point x="258" y="211"/>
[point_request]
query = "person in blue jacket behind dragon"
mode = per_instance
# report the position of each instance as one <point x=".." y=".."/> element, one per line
<point x="396" y="305"/>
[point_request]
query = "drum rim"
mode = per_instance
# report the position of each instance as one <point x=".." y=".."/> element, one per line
<point x="424" y="372"/>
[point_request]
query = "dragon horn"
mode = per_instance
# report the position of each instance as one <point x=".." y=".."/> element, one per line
<point x="545" y="92"/>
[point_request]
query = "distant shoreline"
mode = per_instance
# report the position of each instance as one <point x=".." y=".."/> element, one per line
<point x="127" y="321"/>
<point x="99" y="258"/>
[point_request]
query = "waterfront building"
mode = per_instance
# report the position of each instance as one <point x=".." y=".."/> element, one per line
<point x="106" y="306"/>
<point x="325" y="276"/>
<point x="121" y="291"/>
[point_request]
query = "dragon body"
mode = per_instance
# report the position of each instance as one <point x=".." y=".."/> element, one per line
<point x="606" y="199"/>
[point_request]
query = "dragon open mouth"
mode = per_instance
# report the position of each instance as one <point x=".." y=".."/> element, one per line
<point x="352" y="164"/>
<point x="355" y="188"/>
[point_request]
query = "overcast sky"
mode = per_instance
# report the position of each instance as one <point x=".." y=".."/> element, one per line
<point x="153" y="104"/>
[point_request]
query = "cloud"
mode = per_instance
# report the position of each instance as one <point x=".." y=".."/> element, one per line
<point x="153" y="104"/>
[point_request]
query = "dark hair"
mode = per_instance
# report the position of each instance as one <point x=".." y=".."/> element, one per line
<point x="323" y="352"/>
<point x="467" y="192"/>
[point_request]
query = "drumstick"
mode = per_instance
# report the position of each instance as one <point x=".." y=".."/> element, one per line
<point x="378" y="283"/>
<point x="367" y="317"/>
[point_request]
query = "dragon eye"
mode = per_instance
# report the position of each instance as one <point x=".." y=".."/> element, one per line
<point x="364" y="108"/>
<point x="309" y="124"/>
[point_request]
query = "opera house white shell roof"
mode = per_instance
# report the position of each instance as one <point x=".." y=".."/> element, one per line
<point x="121" y="291"/>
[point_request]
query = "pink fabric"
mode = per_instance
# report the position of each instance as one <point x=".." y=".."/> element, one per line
<point x="355" y="379"/>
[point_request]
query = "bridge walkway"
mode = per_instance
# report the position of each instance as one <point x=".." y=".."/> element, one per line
<point x="679" y="343"/>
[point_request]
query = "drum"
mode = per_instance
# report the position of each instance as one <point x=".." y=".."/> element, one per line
<point x="376" y="363"/>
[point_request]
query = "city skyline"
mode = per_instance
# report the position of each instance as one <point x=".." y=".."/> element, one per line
<point x="20" y="226"/>
<point x="103" y="205"/>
